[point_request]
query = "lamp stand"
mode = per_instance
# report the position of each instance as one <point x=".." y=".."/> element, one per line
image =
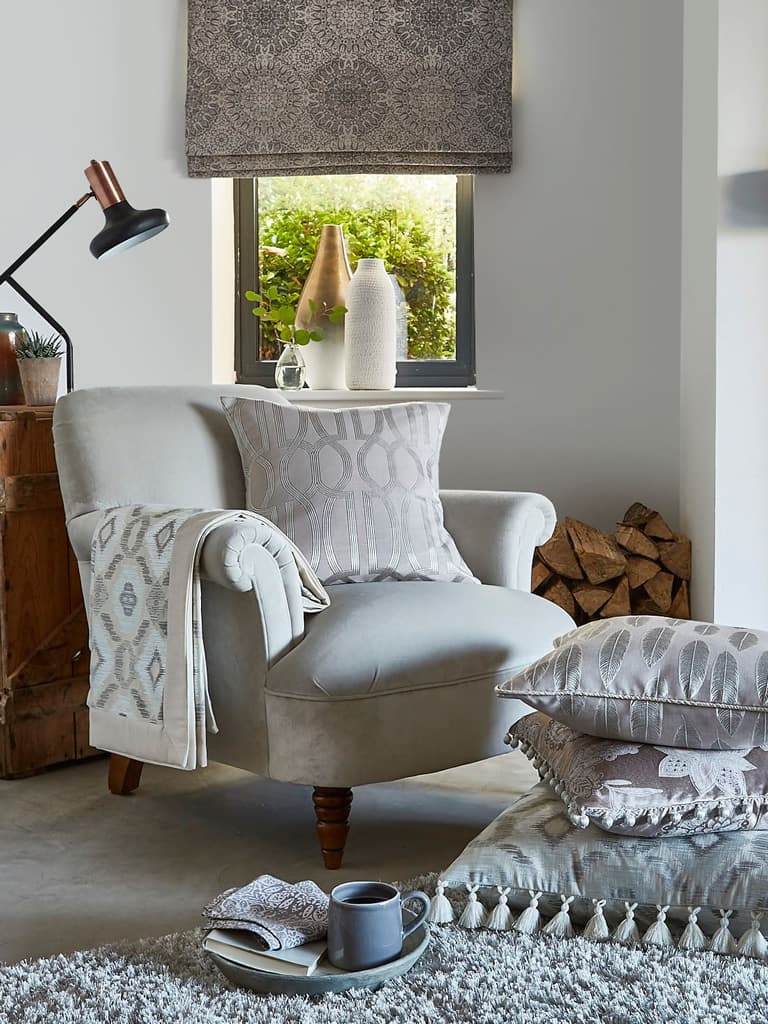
<point x="6" y="277"/>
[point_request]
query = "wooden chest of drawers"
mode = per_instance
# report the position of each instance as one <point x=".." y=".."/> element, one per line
<point x="43" y="629"/>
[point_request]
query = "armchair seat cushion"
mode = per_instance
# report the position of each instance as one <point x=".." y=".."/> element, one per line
<point x="386" y="638"/>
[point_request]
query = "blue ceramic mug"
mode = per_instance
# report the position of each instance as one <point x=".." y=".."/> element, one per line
<point x="365" y="924"/>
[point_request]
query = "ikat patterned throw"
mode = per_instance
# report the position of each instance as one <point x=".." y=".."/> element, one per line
<point x="149" y="696"/>
<point x="355" y="489"/>
<point x="348" y="86"/>
<point x="648" y="679"/>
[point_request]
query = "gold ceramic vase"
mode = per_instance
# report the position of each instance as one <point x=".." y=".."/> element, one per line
<point x="326" y="284"/>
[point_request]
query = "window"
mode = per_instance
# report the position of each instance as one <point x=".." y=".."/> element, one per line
<point x="420" y="225"/>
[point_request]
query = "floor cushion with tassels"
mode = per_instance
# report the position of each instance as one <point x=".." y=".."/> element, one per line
<point x="531" y="870"/>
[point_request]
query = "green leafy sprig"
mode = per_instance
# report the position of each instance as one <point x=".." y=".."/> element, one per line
<point x="278" y="312"/>
<point x="33" y="345"/>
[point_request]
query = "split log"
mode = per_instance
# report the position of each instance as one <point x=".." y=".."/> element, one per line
<point x="591" y="599"/>
<point x="540" y="573"/>
<point x="659" y="589"/>
<point x="657" y="528"/>
<point x="558" y="554"/>
<point x="640" y="570"/>
<point x="637" y="514"/>
<point x="634" y="540"/>
<point x="677" y="557"/>
<point x="619" y="603"/>
<point x="680" y="607"/>
<point x="560" y="595"/>
<point x="598" y="554"/>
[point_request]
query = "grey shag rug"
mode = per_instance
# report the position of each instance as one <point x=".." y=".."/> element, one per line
<point x="464" y="978"/>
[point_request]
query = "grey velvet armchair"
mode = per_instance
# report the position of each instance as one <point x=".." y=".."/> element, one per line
<point x="393" y="680"/>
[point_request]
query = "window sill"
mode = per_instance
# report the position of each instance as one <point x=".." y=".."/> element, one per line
<point x="396" y="395"/>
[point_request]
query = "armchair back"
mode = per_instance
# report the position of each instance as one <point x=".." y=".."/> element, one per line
<point x="150" y="445"/>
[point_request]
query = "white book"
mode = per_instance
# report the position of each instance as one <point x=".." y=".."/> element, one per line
<point x="242" y="947"/>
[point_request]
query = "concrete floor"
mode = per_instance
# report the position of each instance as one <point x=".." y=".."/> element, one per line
<point x="79" y="867"/>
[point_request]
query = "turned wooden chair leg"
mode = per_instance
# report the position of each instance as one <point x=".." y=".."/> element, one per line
<point x="124" y="774"/>
<point x="332" y="813"/>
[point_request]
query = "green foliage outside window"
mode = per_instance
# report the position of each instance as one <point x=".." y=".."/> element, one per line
<point x="409" y="222"/>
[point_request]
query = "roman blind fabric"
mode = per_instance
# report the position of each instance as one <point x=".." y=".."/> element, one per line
<point x="348" y="86"/>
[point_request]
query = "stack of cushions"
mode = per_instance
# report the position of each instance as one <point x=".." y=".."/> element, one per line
<point x="651" y="738"/>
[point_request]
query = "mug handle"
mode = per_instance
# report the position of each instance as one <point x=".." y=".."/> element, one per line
<point x="425" y="905"/>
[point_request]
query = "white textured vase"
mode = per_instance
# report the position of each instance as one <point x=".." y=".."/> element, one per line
<point x="370" y="329"/>
<point x="325" y="359"/>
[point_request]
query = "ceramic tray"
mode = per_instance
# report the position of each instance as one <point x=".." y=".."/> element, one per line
<point x="325" y="978"/>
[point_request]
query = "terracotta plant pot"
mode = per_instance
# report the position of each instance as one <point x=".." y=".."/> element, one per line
<point x="40" y="380"/>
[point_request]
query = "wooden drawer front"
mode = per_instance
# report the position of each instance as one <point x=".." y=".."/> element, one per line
<point x="43" y="725"/>
<point x="44" y="632"/>
<point x="26" y="441"/>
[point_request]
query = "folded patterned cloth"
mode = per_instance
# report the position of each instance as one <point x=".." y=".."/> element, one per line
<point x="281" y="914"/>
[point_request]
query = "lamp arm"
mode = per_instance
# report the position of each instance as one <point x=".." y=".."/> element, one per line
<point x="11" y="270"/>
<point x="7" y="278"/>
<point x="54" y="324"/>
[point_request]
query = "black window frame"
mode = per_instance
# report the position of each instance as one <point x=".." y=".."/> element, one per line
<point x="249" y="369"/>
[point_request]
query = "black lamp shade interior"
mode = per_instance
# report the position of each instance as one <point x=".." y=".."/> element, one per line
<point x="125" y="227"/>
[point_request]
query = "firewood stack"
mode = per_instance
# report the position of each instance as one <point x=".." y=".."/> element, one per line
<point x="642" y="569"/>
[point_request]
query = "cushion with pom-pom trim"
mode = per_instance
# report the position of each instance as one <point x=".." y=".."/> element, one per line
<point x="641" y="789"/>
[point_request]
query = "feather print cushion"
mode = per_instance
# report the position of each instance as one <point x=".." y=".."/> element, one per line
<point x="647" y="679"/>
<point x="639" y="789"/>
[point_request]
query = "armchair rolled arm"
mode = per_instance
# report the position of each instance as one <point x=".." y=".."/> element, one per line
<point x="497" y="531"/>
<point x="249" y="557"/>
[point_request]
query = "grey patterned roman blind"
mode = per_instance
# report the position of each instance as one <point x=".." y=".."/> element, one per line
<point x="345" y="86"/>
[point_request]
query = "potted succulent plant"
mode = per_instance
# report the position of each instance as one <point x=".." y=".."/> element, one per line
<point x="278" y="312"/>
<point x="39" y="359"/>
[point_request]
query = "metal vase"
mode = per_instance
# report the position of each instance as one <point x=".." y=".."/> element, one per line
<point x="326" y="284"/>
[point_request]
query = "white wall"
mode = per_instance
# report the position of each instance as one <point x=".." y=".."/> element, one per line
<point x="697" y="296"/>
<point x="741" y="542"/>
<point x="105" y="79"/>
<point x="578" y="266"/>
<point x="577" y="251"/>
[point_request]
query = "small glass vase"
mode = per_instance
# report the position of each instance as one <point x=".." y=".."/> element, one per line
<point x="291" y="371"/>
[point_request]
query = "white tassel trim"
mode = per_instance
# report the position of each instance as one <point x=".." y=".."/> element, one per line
<point x="581" y="817"/>
<point x="659" y="934"/>
<point x="501" y="916"/>
<point x="474" y="912"/>
<point x="693" y="937"/>
<point x="561" y="925"/>
<point x="529" y="921"/>
<point x="596" y="927"/>
<point x="751" y="944"/>
<point x="440" y="911"/>
<point x="723" y="941"/>
<point x="627" y="931"/>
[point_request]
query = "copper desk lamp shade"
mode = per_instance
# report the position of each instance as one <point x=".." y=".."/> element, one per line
<point x="124" y="227"/>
